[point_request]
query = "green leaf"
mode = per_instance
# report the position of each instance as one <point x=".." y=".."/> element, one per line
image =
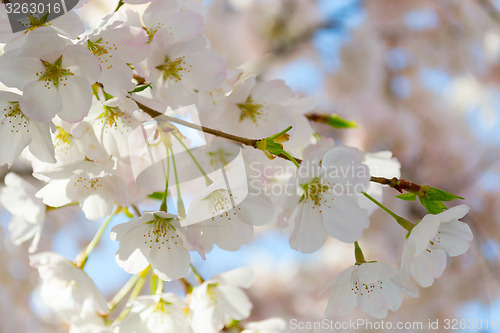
<point x="440" y="195"/>
<point x="433" y="206"/>
<point x="407" y="196"/>
<point x="338" y="122"/>
<point x="156" y="195"/>
<point x="140" y="88"/>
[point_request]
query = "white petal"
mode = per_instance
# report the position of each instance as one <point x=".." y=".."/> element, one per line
<point x="41" y="146"/>
<point x="342" y="156"/>
<point x="256" y="210"/>
<point x="345" y="220"/>
<point x="423" y="233"/>
<point x="41" y="101"/>
<point x="169" y="261"/>
<point x="81" y="62"/>
<point x="76" y="97"/>
<point x="229" y="233"/>
<point x="428" y="266"/>
<point x="14" y="133"/>
<point x="96" y="206"/>
<point x="129" y="255"/>
<point x="207" y="72"/>
<point x="453" y="213"/>
<point x="273" y="92"/>
<point x="22" y="230"/>
<point x="54" y="193"/>
<point x="234" y="302"/>
<point x="116" y="77"/>
<point x="240" y="277"/>
<point x="455" y="237"/>
<point x="342" y="299"/>
<point x="309" y="234"/>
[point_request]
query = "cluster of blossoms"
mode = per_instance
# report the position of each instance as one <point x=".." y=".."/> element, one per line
<point x="108" y="117"/>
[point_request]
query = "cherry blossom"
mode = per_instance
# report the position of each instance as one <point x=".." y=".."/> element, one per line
<point x="55" y="76"/>
<point x="66" y="288"/>
<point x="372" y="286"/>
<point x="28" y="211"/>
<point x="76" y="142"/>
<point x="115" y="45"/>
<point x="158" y="313"/>
<point x="112" y="122"/>
<point x="424" y="254"/>
<point x="257" y="110"/>
<point x="271" y="325"/>
<point x="226" y="217"/>
<point x="93" y="186"/>
<point x="21" y="132"/>
<point x="220" y="299"/>
<point x="178" y="69"/>
<point x="325" y="199"/>
<point x="156" y="239"/>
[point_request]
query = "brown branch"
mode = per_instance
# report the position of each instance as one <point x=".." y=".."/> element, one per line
<point x="395" y="183"/>
<point x="235" y="138"/>
<point x="398" y="184"/>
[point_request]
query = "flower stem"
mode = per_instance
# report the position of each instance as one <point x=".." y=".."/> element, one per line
<point x="81" y="259"/>
<point x="401" y="221"/>
<point x="120" y="3"/>
<point x="135" y="292"/>
<point x="187" y="286"/>
<point x="291" y="158"/>
<point x="120" y="295"/>
<point x="153" y="284"/>
<point x="197" y="274"/>
<point x="208" y="181"/>
<point x="358" y="254"/>
<point x="163" y="206"/>
<point x="181" y="211"/>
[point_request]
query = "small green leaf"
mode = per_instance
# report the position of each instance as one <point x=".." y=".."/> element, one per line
<point x="407" y="196"/>
<point x="440" y="195"/>
<point x="433" y="206"/>
<point x="140" y="88"/>
<point x="156" y="195"/>
<point x="338" y="122"/>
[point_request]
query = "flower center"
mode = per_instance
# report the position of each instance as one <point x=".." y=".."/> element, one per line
<point x="151" y="32"/>
<point x="110" y="115"/>
<point x="96" y="48"/>
<point x="173" y="68"/>
<point x="364" y="289"/>
<point x="53" y="73"/>
<point x="436" y="240"/>
<point x="314" y="190"/>
<point x="101" y="51"/>
<point x="35" y="21"/>
<point x="16" y="120"/>
<point x="218" y="158"/>
<point x="61" y="137"/>
<point x="250" y="110"/>
<point x="220" y="203"/>
<point x="162" y="233"/>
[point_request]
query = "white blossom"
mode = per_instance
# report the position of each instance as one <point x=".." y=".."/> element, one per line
<point x="371" y="286"/>
<point x="28" y="211"/>
<point x="158" y="313"/>
<point x="156" y="239"/>
<point x="424" y="253"/>
<point x="216" y="301"/>
<point x="325" y="199"/>
<point x="66" y="288"/>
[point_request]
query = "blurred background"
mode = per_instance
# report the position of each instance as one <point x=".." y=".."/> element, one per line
<point x="420" y="78"/>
